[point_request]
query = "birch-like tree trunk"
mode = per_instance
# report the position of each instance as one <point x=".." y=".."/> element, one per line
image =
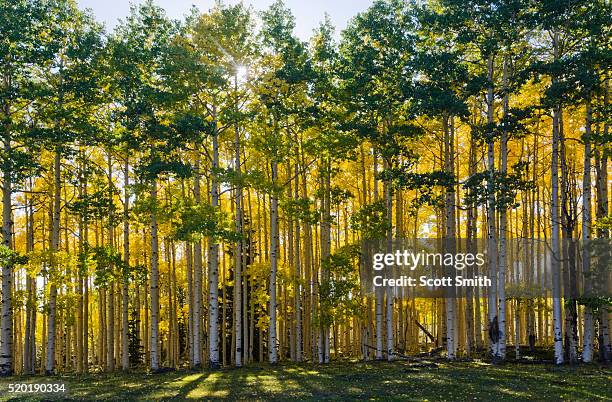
<point x="238" y="248"/>
<point x="587" y="341"/>
<point x="378" y="293"/>
<point x="81" y="248"/>
<point x="110" y="321"/>
<point x="55" y="239"/>
<point x="274" y="238"/>
<point x="491" y="226"/>
<point x="197" y="276"/>
<point x="154" y="344"/>
<point x="555" y="228"/>
<point x="213" y="265"/>
<point x="298" y="268"/>
<point x="471" y="248"/>
<point x="568" y="251"/>
<point x="190" y="292"/>
<point x="450" y="245"/>
<point x="326" y="250"/>
<point x="389" y="247"/>
<point x="503" y="223"/>
<point x="30" y="330"/>
<point x="125" y="356"/>
<point x="601" y="165"/>
<point x="6" y="336"/>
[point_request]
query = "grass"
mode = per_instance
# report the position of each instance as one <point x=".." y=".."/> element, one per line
<point x="433" y="381"/>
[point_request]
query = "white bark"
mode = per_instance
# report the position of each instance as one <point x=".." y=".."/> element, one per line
<point x="29" y="358"/>
<point x="298" y="296"/>
<point x="272" y="352"/>
<point x="213" y="268"/>
<point x="517" y="330"/>
<point x="298" y="274"/>
<point x="238" y="249"/>
<point x="55" y="239"/>
<point x="110" y="318"/>
<point x="6" y="336"/>
<point x="197" y="277"/>
<point x="189" y="268"/>
<point x="555" y="228"/>
<point x="470" y="294"/>
<point x="491" y="229"/>
<point x="587" y="351"/>
<point x="154" y="346"/>
<point x="326" y="250"/>
<point x="81" y="335"/>
<point x="378" y="293"/>
<point x="389" y="289"/>
<point x="503" y="227"/>
<point x="125" y="356"/>
<point x="449" y="236"/>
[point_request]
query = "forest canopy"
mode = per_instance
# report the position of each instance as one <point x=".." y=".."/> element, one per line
<point x="194" y="192"/>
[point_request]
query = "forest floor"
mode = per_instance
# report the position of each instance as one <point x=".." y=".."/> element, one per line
<point x="400" y="380"/>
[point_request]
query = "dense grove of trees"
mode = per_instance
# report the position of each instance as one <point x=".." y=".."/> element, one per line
<point x="193" y="193"/>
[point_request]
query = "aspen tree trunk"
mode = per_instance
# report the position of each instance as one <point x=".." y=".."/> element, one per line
<point x="224" y="311"/>
<point x="238" y="249"/>
<point x="555" y="228"/>
<point x="503" y="225"/>
<point x="378" y="295"/>
<point x="6" y="336"/>
<point x="30" y="330"/>
<point x="491" y="227"/>
<point x="274" y="238"/>
<point x="81" y="269"/>
<point x="317" y="308"/>
<point x="190" y="292"/>
<point x="478" y="293"/>
<point x="85" y="282"/>
<point x="365" y="322"/>
<point x="174" y="310"/>
<point x="568" y="219"/>
<point x="55" y="239"/>
<point x="213" y="265"/>
<point x="43" y="360"/>
<point x="110" y="321"/>
<point x="308" y="271"/>
<point x="246" y="259"/>
<point x="541" y="267"/>
<point x="326" y="249"/>
<point x="533" y="262"/>
<point x="298" y="269"/>
<point x="517" y="331"/>
<point x="117" y="319"/>
<point x="146" y="325"/>
<point x="449" y="236"/>
<point x="471" y="248"/>
<point x="587" y="351"/>
<point x="197" y="276"/>
<point x="125" y="356"/>
<point x="101" y="350"/>
<point x="309" y="305"/>
<point x="527" y="228"/>
<point x="136" y="311"/>
<point x="601" y="158"/>
<point x="154" y="346"/>
<point x="389" y="246"/>
<point x="399" y="213"/>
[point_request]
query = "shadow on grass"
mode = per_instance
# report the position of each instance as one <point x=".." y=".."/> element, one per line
<point x="398" y="380"/>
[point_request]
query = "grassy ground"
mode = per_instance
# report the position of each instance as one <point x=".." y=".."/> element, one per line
<point x="433" y="381"/>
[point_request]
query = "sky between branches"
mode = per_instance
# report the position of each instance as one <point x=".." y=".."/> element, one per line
<point x="308" y="13"/>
